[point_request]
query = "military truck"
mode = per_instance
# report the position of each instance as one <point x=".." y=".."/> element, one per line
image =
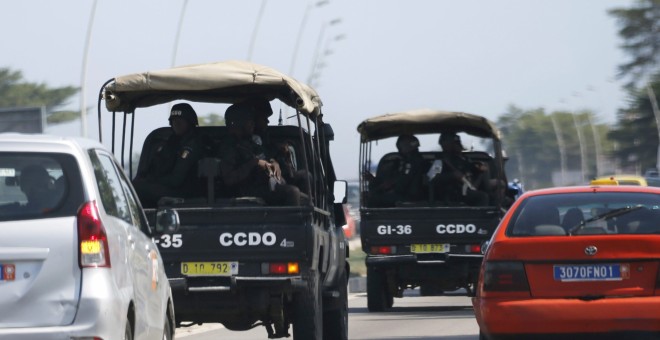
<point x="433" y="243"/>
<point x="236" y="260"/>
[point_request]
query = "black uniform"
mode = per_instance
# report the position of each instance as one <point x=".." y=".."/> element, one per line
<point x="243" y="176"/>
<point x="172" y="170"/>
<point x="401" y="181"/>
<point x="449" y="188"/>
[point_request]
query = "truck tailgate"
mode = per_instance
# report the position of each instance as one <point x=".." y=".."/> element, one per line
<point x="426" y="225"/>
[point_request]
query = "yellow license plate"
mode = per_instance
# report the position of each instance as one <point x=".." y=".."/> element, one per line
<point x="209" y="268"/>
<point x="429" y="248"/>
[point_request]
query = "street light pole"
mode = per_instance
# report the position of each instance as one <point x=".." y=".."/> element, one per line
<point x="562" y="148"/>
<point x="656" y="112"/>
<point x="317" y="51"/>
<point x="583" y="151"/>
<point x="83" y="74"/>
<point x="300" y="32"/>
<point x="256" y="29"/>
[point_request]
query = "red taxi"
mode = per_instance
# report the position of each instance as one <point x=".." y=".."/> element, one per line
<point x="574" y="261"/>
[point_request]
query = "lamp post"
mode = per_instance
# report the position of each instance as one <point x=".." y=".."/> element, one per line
<point x="315" y="61"/>
<point x="256" y="29"/>
<point x="301" y="29"/>
<point x="178" y="32"/>
<point x="656" y="113"/>
<point x="83" y="73"/>
<point x="562" y="148"/>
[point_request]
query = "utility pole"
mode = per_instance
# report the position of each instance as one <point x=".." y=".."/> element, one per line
<point x="83" y="75"/>
<point x="562" y="148"/>
<point x="583" y="151"/>
<point x="656" y="112"/>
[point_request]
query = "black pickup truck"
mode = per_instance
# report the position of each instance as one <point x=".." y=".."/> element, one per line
<point x="431" y="243"/>
<point x="236" y="260"/>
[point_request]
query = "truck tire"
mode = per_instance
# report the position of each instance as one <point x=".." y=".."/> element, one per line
<point x="308" y="310"/>
<point x="377" y="299"/>
<point x="335" y="322"/>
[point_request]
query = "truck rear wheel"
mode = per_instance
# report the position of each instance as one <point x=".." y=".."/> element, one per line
<point x="377" y="299"/>
<point x="308" y="311"/>
<point x="335" y="322"/>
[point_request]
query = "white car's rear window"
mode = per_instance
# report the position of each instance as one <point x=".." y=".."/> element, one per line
<point x="38" y="185"/>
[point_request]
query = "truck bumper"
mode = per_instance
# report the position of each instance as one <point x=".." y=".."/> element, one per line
<point x="237" y="302"/>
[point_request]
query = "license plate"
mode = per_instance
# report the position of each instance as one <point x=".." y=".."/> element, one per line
<point x="7" y="272"/>
<point x="209" y="268"/>
<point x="591" y="272"/>
<point x="430" y="248"/>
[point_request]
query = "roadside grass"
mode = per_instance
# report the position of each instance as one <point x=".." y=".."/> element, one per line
<point x="356" y="260"/>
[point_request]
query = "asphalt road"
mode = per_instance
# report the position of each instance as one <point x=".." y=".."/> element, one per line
<point x="413" y="317"/>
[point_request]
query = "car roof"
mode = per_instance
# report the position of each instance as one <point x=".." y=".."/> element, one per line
<point x="618" y="179"/>
<point x="41" y="141"/>
<point x="591" y="188"/>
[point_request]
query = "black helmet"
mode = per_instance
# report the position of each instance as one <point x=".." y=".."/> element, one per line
<point x="239" y="113"/>
<point x="185" y="111"/>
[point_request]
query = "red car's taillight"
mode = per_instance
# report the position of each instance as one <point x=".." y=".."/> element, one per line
<point x="505" y="277"/>
<point x="92" y="240"/>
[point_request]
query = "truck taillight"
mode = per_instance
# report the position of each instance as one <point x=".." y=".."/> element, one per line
<point x="505" y="276"/>
<point x="383" y="250"/>
<point x="280" y="268"/>
<point x="473" y="249"/>
<point x="92" y="240"/>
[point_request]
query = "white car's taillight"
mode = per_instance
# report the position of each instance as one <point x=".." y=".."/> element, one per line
<point x="93" y="243"/>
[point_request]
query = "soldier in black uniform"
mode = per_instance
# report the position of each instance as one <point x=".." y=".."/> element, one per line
<point x="279" y="153"/>
<point x="461" y="181"/>
<point x="172" y="170"/>
<point x="246" y="170"/>
<point x="402" y="181"/>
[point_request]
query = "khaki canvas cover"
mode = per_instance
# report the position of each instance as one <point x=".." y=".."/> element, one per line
<point x="220" y="82"/>
<point x="426" y="121"/>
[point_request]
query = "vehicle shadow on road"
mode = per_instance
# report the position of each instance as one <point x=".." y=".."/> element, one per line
<point x="467" y="310"/>
<point x="434" y="337"/>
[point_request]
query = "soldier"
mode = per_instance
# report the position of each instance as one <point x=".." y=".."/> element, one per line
<point x="461" y="181"/>
<point x="403" y="180"/>
<point x="245" y="169"/>
<point x="172" y="170"/>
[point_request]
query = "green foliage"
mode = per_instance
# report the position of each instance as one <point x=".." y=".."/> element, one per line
<point x="640" y="30"/>
<point x="636" y="134"/>
<point x="16" y="92"/>
<point x="212" y="119"/>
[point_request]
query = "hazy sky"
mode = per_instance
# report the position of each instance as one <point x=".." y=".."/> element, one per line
<point x="473" y="56"/>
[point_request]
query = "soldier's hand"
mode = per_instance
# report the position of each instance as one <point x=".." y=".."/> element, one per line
<point x="264" y="165"/>
<point x="276" y="170"/>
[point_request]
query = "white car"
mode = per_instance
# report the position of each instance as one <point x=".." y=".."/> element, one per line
<point x="76" y="258"/>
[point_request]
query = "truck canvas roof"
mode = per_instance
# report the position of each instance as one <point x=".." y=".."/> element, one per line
<point x="426" y="121"/>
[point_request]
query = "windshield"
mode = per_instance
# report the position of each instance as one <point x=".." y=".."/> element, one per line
<point x="587" y="214"/>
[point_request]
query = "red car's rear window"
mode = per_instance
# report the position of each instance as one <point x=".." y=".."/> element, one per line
<point x="587" y="214"/>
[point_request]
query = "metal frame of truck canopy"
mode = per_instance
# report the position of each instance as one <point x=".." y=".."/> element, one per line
<point x="424" y="121"/>
<point x="220" y="82"/>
